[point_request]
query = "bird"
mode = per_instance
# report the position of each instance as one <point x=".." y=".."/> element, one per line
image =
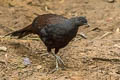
<point x="55" y="31"/>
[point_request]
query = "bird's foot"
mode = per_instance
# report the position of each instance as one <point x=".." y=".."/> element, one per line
<point x="60" y="61"/>
<point x="56" y="68"/>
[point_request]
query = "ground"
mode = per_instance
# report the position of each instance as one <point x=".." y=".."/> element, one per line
<point x="94" y="58"/>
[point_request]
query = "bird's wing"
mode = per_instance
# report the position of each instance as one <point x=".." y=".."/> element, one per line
<point x="57" y="30"/>
<point x="54" y="31"/>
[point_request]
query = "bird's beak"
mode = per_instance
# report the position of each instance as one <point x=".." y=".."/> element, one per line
<point x="86" y="24"/>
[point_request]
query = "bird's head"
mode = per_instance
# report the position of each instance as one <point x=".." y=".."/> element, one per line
<point x="79" y="21"/>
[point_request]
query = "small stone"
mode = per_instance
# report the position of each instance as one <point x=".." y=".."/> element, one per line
<point x="3" y="48"/>
<point x="21" y="66"/>
<point x="27" y="61"/>
<point x="39" y="67"/>
<point x="118" y="30"/>
<point x="76" y="78"/>
<point x="1" y="12"/>
<point x="111" y="1"/>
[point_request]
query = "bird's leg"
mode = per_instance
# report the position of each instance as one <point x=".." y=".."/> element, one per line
<point x="56" y="68"/>
<point x="59" y="59"/>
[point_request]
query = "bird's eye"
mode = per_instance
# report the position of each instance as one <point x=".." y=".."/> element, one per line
<point x="82" y="21"/>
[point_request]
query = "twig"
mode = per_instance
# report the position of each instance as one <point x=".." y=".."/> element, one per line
<point x="104" y="35"/>
<point x="106" y="59"/>
<point x="116" y="45"/>
<point x="82" y="35"/>
<point x="37" y="39"/>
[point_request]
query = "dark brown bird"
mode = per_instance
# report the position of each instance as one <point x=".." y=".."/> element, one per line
<point x="54" y="30"/>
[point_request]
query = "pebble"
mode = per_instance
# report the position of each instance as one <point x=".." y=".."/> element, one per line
<point x="27" y="61"/>
<point x="3" y="48"/>
<point x="111" y="1"/>
<point x="1" y="12"/>
<point x="39" y="67"/>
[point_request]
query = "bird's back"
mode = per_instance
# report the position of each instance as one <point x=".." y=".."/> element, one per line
<point x="47" y="19"/>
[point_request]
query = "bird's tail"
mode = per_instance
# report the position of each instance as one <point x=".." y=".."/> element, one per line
<point x="22" y="32"/>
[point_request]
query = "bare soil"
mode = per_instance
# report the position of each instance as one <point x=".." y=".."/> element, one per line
<point x="94" y="58"/>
